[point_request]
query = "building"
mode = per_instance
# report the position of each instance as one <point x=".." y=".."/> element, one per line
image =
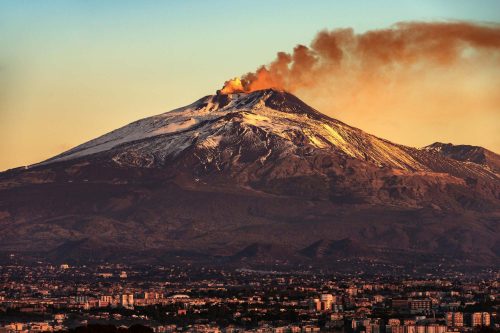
<point x="394" y="329"/>
<point x="324" y="303"/>
<point x="360" y="324"/>
<point x="420" y="329"/>
<point x="454" y="319"/>
<point x="420" y="305"/>
<point x="105" y="300"/>
<point x="435" y="328"/>
<point x="399" y="303"/>
<point x="480" y="319"/>
<point x="327" y="301"/>
<point x="373" y="328"/>
<point x="394" y="322"/>
<point x="315" y="304"/>
<point x="410" y="328"/>
<point x="127" y="300"/>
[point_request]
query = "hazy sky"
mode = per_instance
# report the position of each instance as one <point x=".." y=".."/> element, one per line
<point x="73" y="70"/>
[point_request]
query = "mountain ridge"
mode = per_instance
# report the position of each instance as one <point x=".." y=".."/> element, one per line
<point x="209" y="109"/>
<point x="234" y="176"/>
<point x="468" y="153"/>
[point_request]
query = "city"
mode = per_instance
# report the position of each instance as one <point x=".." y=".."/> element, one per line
<point x="259" y="166"/>
<point x="193" y="298"/>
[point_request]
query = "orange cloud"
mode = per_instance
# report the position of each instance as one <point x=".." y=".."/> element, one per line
<point x="439" y="76"/>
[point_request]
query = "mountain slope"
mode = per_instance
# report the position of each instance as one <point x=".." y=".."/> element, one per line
<point x="213" y="121"/>
<point x="255" y="176"/>
<point x="466" y="153"/>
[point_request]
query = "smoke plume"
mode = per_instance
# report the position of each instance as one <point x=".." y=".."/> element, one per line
<point x="438" y="70"/>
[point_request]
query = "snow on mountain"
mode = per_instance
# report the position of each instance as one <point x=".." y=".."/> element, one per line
<point x="216" y="125"/>
<point x="251" y="175"/>
<point x="205" y="122"/>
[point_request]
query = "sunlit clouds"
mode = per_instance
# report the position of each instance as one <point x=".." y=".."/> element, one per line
<point x="414" y="83"/>
<point x="71" y="71"/>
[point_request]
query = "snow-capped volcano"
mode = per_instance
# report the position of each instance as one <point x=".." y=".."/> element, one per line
<point x="205" y="122"/>
<point x="259" y="175"/>
<point x="272" y="125"/>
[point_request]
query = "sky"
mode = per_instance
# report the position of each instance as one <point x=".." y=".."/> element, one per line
<point x="73" y="70"/>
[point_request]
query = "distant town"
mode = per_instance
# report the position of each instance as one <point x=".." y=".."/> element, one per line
<point x="44" y="297"/>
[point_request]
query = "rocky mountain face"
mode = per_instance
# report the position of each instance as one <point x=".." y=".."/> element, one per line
<point x="259" y="177"/>
<point x="466" y="153"/>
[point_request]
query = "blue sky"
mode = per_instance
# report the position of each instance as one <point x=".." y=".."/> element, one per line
<point x="72" y="70"/>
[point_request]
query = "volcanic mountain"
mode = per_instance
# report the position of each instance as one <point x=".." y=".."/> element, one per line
<point x="466" y="153"/>
<point x="258" y="177"/>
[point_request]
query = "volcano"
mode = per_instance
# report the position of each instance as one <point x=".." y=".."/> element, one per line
<point x="260" y="176"/>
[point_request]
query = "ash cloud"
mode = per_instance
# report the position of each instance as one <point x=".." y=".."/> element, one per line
<point x="373" y="53"/>
<point x="411" y="70"/>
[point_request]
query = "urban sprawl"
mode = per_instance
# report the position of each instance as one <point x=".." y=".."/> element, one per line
<point x="191" y="298"/>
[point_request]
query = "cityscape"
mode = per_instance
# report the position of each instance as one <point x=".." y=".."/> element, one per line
<point x="233" y="166"/>
<point x="192" y="298"/>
